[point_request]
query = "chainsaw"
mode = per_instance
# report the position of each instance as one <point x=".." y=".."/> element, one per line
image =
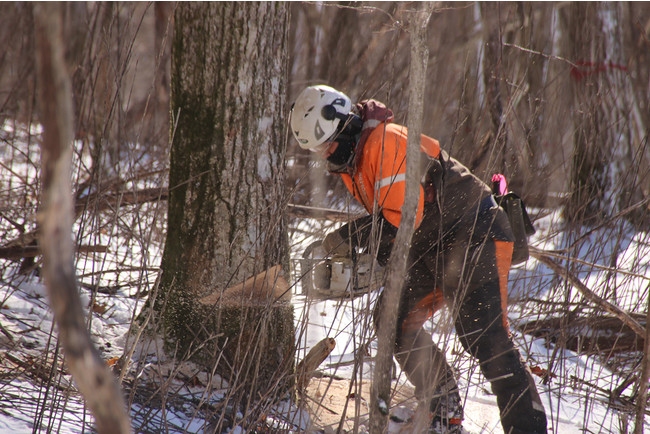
<point x="338" y="277"/>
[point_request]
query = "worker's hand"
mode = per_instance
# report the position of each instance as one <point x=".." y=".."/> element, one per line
<point x="335" y="245"/>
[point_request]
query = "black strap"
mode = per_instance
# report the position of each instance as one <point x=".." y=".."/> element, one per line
<point x="434" y="173"/>
<point x="504" y="199"/>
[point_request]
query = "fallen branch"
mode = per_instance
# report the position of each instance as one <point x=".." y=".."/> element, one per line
<point x="589" y="335"/>
<point x="112" y="200"/>
<point x="19" y="252"/>
<point x="561" y="271"/>
<point x="616" y="401"/>
<point x="33" y="367"/>
<point x="22" y="246"/>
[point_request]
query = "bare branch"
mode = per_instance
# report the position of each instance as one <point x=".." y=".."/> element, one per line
<point x="539" y="53"/>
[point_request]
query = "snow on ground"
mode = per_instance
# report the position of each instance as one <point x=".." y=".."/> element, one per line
<point x="574" y="398"/>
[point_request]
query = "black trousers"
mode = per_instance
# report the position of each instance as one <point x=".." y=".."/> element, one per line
<point x="471" y="279"/>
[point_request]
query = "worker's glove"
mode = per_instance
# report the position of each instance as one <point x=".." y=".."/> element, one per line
<point x="335" y="245"/>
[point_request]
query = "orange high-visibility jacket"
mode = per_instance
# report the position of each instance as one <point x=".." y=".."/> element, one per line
<point x="380" y="179"/>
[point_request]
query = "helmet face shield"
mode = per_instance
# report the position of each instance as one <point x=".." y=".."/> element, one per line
<point x="316" y="115"/>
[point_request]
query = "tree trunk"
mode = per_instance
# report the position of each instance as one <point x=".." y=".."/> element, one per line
<point x="380" y="394"/>
<point x="91" y="374"/>
<point x="607" y="135"/>
<point x="226" y="218"/>
<point x="535" y="171"/>
<point x="493" y="74"/>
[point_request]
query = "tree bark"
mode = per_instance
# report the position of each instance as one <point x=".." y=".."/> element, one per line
<point x="91" y="374"/>
<point x="493" y="74"/>
<point x="380" y="392"/>
<point x="226" y="162"/>
<point x="608" y="135"/>
<point x="226" y="220"/>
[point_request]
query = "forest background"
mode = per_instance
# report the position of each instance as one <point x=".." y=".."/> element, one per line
<point x="553" y="95"/>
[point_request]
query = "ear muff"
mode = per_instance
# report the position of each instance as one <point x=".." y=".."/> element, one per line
<point x="350" y="124"/>
<point x="350" y="120"/>
<point x="330" y="113"/>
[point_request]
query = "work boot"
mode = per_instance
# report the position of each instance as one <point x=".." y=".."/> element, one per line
<point x="447" y="412"/>
<point x="442" y="426"/>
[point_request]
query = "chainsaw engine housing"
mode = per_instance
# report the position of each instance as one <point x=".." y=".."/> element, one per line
<point x="338" y="277"/>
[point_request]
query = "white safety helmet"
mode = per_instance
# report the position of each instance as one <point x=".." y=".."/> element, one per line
<point x="316" y="114"/>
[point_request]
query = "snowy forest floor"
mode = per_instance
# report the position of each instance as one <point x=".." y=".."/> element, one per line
<point x="587" y="386"/>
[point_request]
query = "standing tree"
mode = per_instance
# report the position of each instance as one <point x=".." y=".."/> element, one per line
<point x="608" y="134"/>
<point x="397" y="267"/>
<point x="225" y="219"/>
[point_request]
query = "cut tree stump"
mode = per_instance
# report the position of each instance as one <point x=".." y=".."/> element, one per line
<point x="247" y="330"/>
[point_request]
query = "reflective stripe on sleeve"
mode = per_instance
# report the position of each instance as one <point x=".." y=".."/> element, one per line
<point x="400" y="177"/>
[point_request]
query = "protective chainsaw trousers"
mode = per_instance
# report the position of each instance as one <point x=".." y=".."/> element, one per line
<point x="471" y="279"/>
